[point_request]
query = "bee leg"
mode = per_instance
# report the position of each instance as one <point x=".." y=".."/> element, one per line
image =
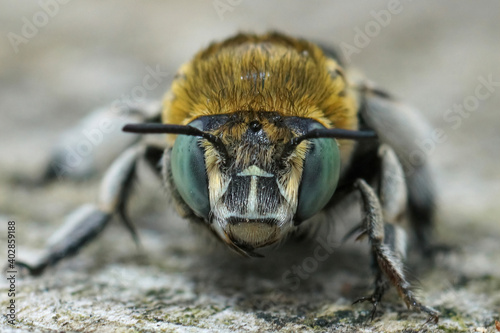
<point x="421" y="205"/>
<point x="381" y="286"/>
<point x="86" y="223"/>
<point x="401" y="127"/>
<point x="388" y="242"/>
<point x="94" y="142"/>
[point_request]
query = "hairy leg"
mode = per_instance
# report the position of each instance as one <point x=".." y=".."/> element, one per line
<point x="87" y="222"/>
<point x="382" y="214"/>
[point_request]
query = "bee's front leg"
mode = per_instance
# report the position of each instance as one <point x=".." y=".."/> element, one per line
<point x="87" y="222"/>
<point x="388" y="242"/>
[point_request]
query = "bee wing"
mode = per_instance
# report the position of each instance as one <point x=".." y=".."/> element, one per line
<point x="93" y="143"/>
<point x="398" y="125"/>
<point x="402" y="128"/>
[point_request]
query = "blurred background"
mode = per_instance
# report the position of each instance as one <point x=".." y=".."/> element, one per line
<point x="60" y="59"/>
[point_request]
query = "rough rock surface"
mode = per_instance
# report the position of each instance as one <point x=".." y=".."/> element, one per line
<point x="87" y="54"/>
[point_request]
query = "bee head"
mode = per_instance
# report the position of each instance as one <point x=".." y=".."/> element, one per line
<point x="254" y="176"/>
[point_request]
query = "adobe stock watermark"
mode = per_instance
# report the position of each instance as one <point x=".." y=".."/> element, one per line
<point x="32" y="25"/>
<point x="223" y="6"/>
<point x="297" y="273"/>
<point x="104" y="123"/>
<point x="150" y="82"/>
<point x="454" y="118"/>
<point x="371" y="29"/>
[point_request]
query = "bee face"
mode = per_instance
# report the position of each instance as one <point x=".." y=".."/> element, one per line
<point x="258" y="189"/>
<point x="255" y="94"/>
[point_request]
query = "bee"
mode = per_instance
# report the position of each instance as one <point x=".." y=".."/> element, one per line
<point x="262" y="133"/>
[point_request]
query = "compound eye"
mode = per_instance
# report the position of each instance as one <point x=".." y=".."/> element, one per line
<point x="189" y="172"/>
<point x="319" y="177"/>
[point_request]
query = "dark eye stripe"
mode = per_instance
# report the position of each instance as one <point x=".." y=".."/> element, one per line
<point x="252" y="196"/>
<point x="268" y="195"/>
<point x="236" y="196"/>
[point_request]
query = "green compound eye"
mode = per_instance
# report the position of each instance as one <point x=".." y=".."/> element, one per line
<point x="189" y="173"/>
<point x="319" y="177"/>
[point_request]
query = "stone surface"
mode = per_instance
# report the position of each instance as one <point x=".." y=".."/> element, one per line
<point x="92" y="53"/>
